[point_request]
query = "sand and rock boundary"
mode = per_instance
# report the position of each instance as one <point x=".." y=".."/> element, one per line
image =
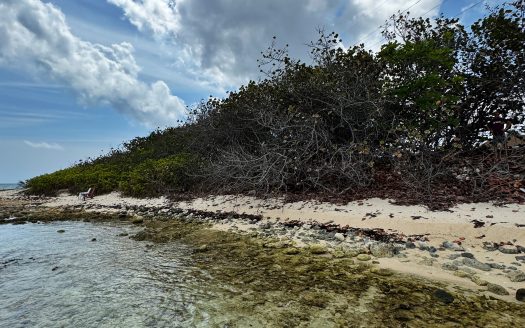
<point x="475" y="246"/>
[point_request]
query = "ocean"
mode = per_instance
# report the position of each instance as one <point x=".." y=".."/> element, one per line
<point x="6" y="186"/>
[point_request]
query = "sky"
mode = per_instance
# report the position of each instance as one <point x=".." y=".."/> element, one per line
<point x="78" y="77"/>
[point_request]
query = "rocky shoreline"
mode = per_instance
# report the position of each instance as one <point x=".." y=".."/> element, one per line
<point x="386" y="250"/>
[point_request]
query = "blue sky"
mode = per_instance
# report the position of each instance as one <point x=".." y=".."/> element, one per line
<point x="125" y="67"/>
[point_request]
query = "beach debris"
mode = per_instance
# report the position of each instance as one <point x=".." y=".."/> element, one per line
<point x="478" y="223"/>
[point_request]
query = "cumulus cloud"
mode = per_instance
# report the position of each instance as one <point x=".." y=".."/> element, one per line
<point x="44" y="145"/>
<point x="222" y="39"/>
<point x="34" y="35"/>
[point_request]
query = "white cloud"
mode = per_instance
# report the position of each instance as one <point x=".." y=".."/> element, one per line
<point x="44" y="145"/>
<point x="34" y="35"/>
<point x="220" y="40"/>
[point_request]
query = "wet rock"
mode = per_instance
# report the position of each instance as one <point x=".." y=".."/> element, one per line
<point x="508" y="249"/>
<point x="516" y="276"/>
<point x="93" y="239"/>
<point x="382" y="272"/>
<point x="443" y="296"/>
<point x="364" y="257"/>
<point x="61" y="231"/>
<point x="520" y="295"/>
<point x="318" y="249"/>
<point x="497" y="289"/>
<point x="54" y="268"/>
<point x="449" y="266"/>
<point x="382" y="250"/>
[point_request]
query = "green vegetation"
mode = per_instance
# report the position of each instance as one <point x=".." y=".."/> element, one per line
<point x="404" y="122"/>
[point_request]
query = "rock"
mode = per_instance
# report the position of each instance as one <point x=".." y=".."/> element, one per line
<point x="382" y="250"/>
<point x="449" y="266"/>
<point x="382" y="272"/>
<point x="520" y="294"/>
<point x="473" y="263"/>
<point x="496" y="266"/>
<point x="339" y="236"/>
<point x="410" y="245"/>
<point x="266" y="226"/>
<point x="454" y="256"/>
<point x="93" y="239"/>
<point x="443" y="296"/>
<point x="497" y="289"/>
<point x="516" y="276"/>
<point x="202" y="248"/>
<point x="461" y="274"/>
<point x="291" y="251"/>
<point x="54" y="268"/>
<point x="489" y="246"/>
<point x="122" y="234"/>
<point x="364" y="257"/>
<point x="478" y="281"/>
<point x="508" y="249"/>
<point x="447" y="244"/>
<point x="61" y="231"/>
<point x="318" y="249"/>
<point x="520" y="258"/>
<point x="467" y="255"/>
<point x="137" y="220"/>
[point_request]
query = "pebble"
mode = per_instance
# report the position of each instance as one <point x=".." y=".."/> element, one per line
<point x="497" y="289"/>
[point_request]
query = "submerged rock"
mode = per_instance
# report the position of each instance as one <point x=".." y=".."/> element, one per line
<point x="61" y="231"/>
<point x="520" y="294"/>
<point x="443" y="296"/>
<point x="516" y="276"/>
<point x="497" y="289"/>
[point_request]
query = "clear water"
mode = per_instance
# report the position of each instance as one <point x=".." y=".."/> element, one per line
<point x="51" y="279"/>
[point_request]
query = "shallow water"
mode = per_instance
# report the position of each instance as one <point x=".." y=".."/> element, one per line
<point x="51" y="279"/>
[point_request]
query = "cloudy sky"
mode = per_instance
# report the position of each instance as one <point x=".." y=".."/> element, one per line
<point x="78" y="77"/>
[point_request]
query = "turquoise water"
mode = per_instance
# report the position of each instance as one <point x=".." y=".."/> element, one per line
<point x="51" y="279"/>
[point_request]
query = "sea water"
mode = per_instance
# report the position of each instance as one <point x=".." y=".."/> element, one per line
<point x="89" y="276"/>
<point x="7" y="186"/>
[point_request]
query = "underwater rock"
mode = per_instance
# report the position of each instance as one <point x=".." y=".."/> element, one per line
<point x="61" y="231"/>
<point x="443" y="296"/>
<point x="364" y="257"/>
<point x="516" y="276"/>
<point x="497" y="289"/>
<point x="520" y="294"/>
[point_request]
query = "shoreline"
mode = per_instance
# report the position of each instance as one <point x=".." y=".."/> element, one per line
<point x="414" y="241"/>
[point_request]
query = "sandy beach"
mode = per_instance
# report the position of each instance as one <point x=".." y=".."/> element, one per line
<point x="468" y="246"/>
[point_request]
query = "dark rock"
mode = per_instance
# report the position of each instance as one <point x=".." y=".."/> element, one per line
<point x="61" y="231"/>
<point x="123" y="234"/>
<point x="54" y="268"/>
<point x="520" y="294"/>
<point x="490" y="246"/>
<point x="520" y="258"/>
<point x="443" y="296"/>
<point x="94" y="239"/>
<point x="467" y="255"/>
